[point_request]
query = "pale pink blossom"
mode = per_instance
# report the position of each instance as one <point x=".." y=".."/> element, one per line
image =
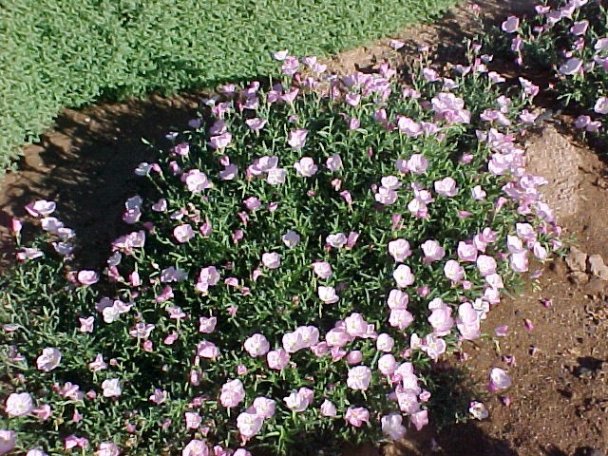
<point x="417" y="164"/>
<point x="499" y="380"/>
<point x="111" y="388"/>
<point x="328" y="409"/>
<point x="49" y="359"/>
<point x="322" y="269"/>
<point x="385" y="343"/>
<point x="387" y="364"/>
<point x="298" y="401"/>
<point x="41" y="208"/>
<point x="183" y="233"/>
<point x="249" y="424"/>
<point x="328" y="295"/>
<point x="271" y="260"/>
<point x="357" y="416"/>
<point x="453" y="271"/>
<point x="306" y="167"/>
<point x="297" y="138"/>
<point x="433" y="251"/>
<point x="277" y="359"/>
<point x="392" y="426"/>
<point x="264" y="407"/>
<point x="403" y="276"/>
<point x="8" y="441"/>
<point x="334" y="163"/>
<point x="257" y="345"/>
<point x="486" y="265"/>
<point x="511" y="24"/>
<point x="19" y="404"/>
<point x="399" y="249"/>
<point x="193" y="420"/>
<point x="196" y="448"/>
<point x="478" y="410"/>
<point x="400" y="318"/>
<point x="232" y="393"/>
<point x="446" y="187"/>
<point x="207" y="350"/>
<point x="107" y="449"/>
<point x="467" y="252"/>
<point x="291" y="239"/>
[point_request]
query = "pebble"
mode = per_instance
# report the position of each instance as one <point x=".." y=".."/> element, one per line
<point x="597" y="267"/>
<point x="576" y="260"/>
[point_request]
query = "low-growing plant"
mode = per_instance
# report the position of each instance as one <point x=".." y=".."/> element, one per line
<point x="312" y="250"/>
<point x="569" y="41"/>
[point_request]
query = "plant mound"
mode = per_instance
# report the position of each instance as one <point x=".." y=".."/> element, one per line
<point x="304" y="257"/>
<point x="570" y="40"/>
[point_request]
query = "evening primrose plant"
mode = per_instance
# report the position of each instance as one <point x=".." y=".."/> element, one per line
<point x="305" y="255"/>
<point x="569" y="39"/>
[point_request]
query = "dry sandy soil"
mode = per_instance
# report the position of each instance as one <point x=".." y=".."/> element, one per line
<point x="559" y="400"/>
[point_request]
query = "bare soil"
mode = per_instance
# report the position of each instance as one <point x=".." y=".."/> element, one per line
<point x="558" y="404"/>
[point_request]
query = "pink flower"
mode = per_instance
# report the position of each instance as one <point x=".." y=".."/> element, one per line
<point x="328" y="295"/>
<point x="107" y="449"/>
<point x="486" y="265"/>
<point x="34" y="452"/>
<point x="306" y="167"/>
<point x="86" y="324"/>
<point x="397" y="299"/>
<point x="417" y="164"/>
<point x="322" y="269"/>
<point x="519" y="261"/>
<point x="87" y="278"/>
<point x="386" y="196"/>
<point x="207" y="325"/>
<point x="571" y="66"/>
<point x="255" y="124"/>
<point x="337" y="240"/>
<point x="403" y="276"/>
<point x="249" y="424"/>
<point x="441" y="317"/>
<point x="387" y="364"/>
<point x="392" y="426"/>
<point x="291" y="239"/>
<point x="220" y="141"/>
<point x="478" y="410"/>
<point x="277" y="359"/>
<point x="408" y="127"/>
<point x="399" y="249"/>
<point x="468" y="322"/>
<point x="356" y="326"/>
<point x="41" y="208"/>
<point x="19" y="404"/>
<point x="511" y="24"/>
<point x="356" y="416"/>
<point x="271" y="260"/>
<point x="334" y="163"/>
<point x="446" y="187"/>
<point x="297" y="138"/>
<point x="298" y="401"/>
<point x="111" y="388"/>
<point x="276" y="176"/>
<point x="183" y="233"/>
<point x="8" y="441"/>
<point x="601" y="105"/>
<point x="419" y="419"/>
<point x="328" y="409"/>
<point x="354" y="357"/>
<point x="385" y="343"/>
<point x="196" y="181"/>
<point x="433" y="346"/>
<point x="432" y="251"/>
<point x="193" y="420"/>
<point x="264" y="407"/>
<point x="400" y="318"/>
<point x="207" y="350"/>
<point x="196" y="448"/>
<point x="467" y="252"/>
<point x="579" y="28"/>
<point x="359" y="378"/>
<point x="499" y="380"/>
<point x="257" y="345"/>
<point x="232" y="393"/>
<point x="49" y="359"/>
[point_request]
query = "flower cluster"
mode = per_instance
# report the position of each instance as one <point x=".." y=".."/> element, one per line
<point x="570" y="39"/>
<point x="303" y="257"/>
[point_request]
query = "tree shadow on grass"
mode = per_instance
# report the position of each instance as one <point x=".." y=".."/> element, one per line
<point x="86" y="165"/>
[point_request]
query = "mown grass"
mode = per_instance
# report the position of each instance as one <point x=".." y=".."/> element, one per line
<point x="61" y="53"/>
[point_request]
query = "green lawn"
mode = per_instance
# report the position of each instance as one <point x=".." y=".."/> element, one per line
<point x="67" y="53"/>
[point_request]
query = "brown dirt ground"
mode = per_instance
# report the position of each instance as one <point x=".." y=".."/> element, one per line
<point x="560" y="393"/>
